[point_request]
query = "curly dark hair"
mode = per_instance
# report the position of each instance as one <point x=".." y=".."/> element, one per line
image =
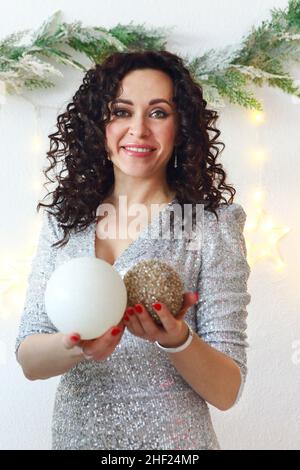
<point x="79" y="145"/>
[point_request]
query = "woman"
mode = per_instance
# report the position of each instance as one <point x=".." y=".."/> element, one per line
<point x="141" y="385"/>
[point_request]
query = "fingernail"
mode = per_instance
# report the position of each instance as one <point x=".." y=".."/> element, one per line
<point x="196" y="296"/>
<point x="130" y="311"/>
<point x="126" y="318"/>
<point x="138" y="308"/>
<point x="115" y="331"/>
<point x="75" y="338"/>
<point x="157" y="306"/>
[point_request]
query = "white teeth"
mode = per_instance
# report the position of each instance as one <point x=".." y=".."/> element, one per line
<point x="139" y="149"/>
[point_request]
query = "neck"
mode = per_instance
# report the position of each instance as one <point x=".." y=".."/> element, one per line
<point x="141" y="191"/>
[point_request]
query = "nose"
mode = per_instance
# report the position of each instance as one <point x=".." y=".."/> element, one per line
<point x="138" y="127"/>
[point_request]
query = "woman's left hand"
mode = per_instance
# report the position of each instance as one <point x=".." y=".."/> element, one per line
<point x="172" y="333"/>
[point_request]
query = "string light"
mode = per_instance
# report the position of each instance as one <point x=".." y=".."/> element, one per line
<point x="258" y="196"/>
<point x="13" y="284"/>
<point x="37" y="144"/>
<point x="261" y="233"/>
<point x="256" y="117"/>
<point x="15" y="270"/>
<point x="258" y="156"/>
<point x="262" y="236"/>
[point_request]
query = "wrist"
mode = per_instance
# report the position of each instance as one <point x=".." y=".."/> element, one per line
<point x="179" y="341"/>
<point x="179" y="346"/>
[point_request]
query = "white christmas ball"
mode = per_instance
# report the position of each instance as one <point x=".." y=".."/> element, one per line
<point x="85" y="295"/>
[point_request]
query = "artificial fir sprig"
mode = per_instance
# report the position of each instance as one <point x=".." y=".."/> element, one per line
<point x="261" y="59"/>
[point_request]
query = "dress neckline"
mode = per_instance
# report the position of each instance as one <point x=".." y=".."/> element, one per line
<point x="138" y="239"/>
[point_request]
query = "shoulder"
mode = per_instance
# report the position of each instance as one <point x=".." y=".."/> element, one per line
<point x="50" y="225"/>
<point x="231" y="216"/>
<point x="224" y="235"/>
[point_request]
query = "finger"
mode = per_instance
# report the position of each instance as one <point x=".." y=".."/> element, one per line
<point x="132" y="319"/>
<point x="121" y="324"/>
<point x="147" y="323"/>
<point x="103" y="354"/>
<point x="71" y="340"/>
<point x="108" y="340"/>
<point x="166" y="317"/>
<point x="189" y="299"/>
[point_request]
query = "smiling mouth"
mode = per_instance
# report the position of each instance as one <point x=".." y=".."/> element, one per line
<point x="138" y="153"/>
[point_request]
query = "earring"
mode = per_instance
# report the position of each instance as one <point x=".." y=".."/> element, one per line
<point x="175" y="160"/>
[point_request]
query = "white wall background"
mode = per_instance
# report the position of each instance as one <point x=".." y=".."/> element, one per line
<point x="268" y="414"/>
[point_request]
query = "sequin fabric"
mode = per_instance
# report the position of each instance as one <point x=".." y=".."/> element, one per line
<point x="136" y="399"/>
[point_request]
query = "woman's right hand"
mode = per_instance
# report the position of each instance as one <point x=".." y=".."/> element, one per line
<point x="99" y="348"/>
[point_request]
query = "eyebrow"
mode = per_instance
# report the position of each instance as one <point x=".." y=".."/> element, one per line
<point x="154" y="101"/>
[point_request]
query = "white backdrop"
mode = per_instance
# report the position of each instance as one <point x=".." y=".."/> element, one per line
<point x="268" y="415"/>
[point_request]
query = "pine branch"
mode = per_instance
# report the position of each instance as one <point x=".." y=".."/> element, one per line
<point x="139" y="38"/>
<point x="232" y="85"/>
<point x="261" y="58"/>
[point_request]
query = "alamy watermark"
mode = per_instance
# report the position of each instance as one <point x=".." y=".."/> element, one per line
<point x="185" y="224"/>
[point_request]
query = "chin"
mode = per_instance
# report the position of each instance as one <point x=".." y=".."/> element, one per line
<point x="135" y="170"/>
<point x="137" y="173"/>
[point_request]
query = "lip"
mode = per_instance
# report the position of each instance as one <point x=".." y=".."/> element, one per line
<point x="145" y="146"/>
<point x="139" y="154"/>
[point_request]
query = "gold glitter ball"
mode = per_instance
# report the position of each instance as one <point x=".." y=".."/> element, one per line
<point x="153" y="281"/>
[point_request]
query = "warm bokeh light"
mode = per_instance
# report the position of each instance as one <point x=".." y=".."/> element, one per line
<point x="258" y="195"/>
<point x="15" y="269"/>
<point x="258" y="155"/>
<point x="256" y="117"/>
<point x="36" y="144"/>
<point x="262" y="236"/>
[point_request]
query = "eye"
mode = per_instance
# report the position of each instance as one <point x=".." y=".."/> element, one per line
<point x="116" y="112"/>
<point x="119" y="113"/>
<point x="163" y="114"/>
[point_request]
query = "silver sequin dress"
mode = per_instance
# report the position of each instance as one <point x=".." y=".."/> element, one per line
<point x="136" y="399"/>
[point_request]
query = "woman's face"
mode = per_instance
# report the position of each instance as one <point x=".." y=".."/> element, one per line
<point x="141" y="122"/>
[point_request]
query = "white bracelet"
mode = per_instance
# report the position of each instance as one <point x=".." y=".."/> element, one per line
<point x="182" y="346"/>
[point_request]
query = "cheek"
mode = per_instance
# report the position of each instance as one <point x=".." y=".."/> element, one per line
<point x="167" y="134"/>
<point x="112" y="134"/>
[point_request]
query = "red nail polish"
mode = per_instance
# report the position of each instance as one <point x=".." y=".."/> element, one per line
<point x="130" y="311"/>
<point x="126" y="318"/>
<point x="75" y="338"/>
<point x="196" y="296"/>
<point x="138" y="308"/>
<point x="157" y="306"/>
<point x="115" y="331"/>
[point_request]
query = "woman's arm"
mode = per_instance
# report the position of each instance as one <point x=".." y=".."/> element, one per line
<point x="214" y="364"/>
<point x="46" y="355"/>
<point x="213" y="375"/>
<point x="42" y="356"/>
<point x="219" y="349"/>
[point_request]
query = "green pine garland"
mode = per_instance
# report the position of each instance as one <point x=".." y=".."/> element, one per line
<point x="261" y="58"/>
